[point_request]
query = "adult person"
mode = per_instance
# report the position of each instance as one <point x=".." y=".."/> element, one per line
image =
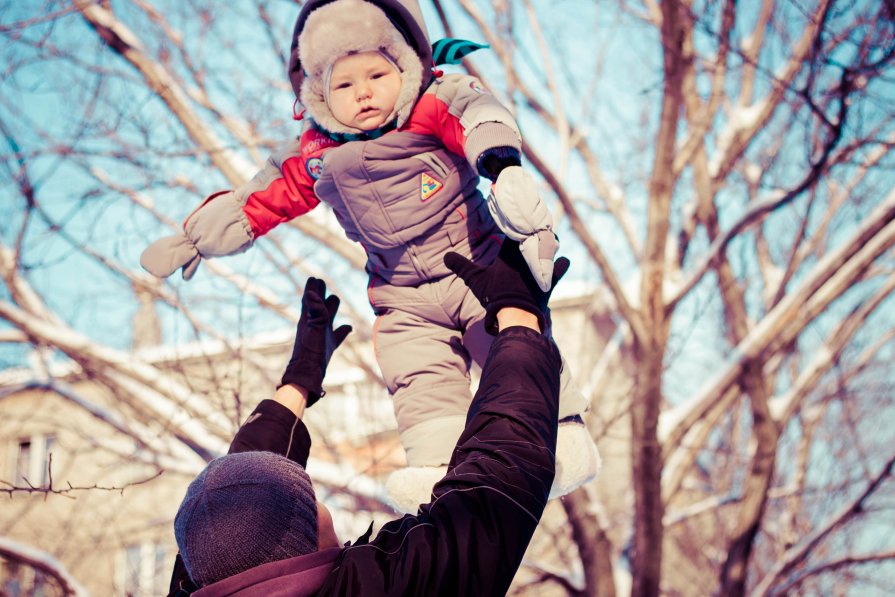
<point x="250" y="525"/>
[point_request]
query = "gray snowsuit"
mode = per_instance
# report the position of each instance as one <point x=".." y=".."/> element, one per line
<point x="408" y="195"/>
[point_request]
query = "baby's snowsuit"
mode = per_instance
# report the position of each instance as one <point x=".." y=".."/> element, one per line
<point x="408" y="196"/>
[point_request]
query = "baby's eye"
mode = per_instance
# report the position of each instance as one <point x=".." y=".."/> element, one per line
<point x="378" y="75"/>
<point x="343" y="85"/>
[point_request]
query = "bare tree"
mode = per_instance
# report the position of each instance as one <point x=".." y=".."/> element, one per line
<point x="723" y="172"/>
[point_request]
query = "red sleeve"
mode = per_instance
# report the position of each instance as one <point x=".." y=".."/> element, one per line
<point x="430" y="117"/>
<point x="287" y="197"/>
<point x="285" y="188"/>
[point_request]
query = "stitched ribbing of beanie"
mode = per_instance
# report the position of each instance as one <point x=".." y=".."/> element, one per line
<point x="288" y="527"/>
<point x="300" y="536"/>
<point x="234" y="523"/>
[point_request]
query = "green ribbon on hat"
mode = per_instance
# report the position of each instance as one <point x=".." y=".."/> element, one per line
<point x="452" y="51"/>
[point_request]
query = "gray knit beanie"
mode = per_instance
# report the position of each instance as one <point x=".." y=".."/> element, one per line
<point x="242" y="511"/>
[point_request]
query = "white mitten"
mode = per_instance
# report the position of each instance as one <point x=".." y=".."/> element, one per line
<point x="409" y="487"/>
<point x="577" y="458"/>
<point x="166" y="255"/>
<point x="516" y="206"/>
<point x="217" y="227"/>
<point x="539" y="250"/>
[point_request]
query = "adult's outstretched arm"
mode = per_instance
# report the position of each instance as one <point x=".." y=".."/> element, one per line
<point x="471" y="538"/>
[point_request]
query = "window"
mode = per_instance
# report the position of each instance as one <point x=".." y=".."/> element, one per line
<point x="32" y="465"/>
<point x="23" y="462"/>
<point x="161" y="574"/>
<point x="12" y="580"/>
<point x="42" y="587"/>
<point x="146" y="569"/>
<point x="132" y="569"/>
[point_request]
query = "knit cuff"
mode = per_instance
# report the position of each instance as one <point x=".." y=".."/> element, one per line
<point x="487" y="136"/>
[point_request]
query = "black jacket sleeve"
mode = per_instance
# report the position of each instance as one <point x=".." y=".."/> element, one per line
<point x="273" y="428"/>
<point x="270" y="428"/>
<point x="471" y="538"/>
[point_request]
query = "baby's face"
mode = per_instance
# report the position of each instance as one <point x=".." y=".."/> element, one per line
<point x="362" y="90"/>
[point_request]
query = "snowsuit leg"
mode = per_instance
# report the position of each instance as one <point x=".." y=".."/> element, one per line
<point x="478" y="342"/>
<point x="420" y="351"/>
<point x="426" y="338"/>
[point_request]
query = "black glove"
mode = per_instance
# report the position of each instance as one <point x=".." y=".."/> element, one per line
<point x="505" y="283"/>
<point x="315" y="340"/>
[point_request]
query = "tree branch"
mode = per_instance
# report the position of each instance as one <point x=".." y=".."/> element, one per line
<point x="827" y="280"/>
<point x="797" y="554"/>
<point x="38" y="559"/>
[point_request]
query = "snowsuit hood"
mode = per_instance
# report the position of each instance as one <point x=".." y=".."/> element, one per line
<point x="348" y="26"/>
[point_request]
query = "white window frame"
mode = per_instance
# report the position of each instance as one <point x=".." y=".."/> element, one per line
<point x="38" y="458"/>
<point x="148" y="577"/>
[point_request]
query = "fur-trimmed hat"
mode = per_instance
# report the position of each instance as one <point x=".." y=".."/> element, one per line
<point x="344" y="27"/>
<point x="244" y="510"/>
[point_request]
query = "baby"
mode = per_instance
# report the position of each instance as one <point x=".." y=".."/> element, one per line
<point x="396" y="149"/>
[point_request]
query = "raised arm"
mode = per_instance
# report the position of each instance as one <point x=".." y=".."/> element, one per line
<point x="275" y="425"/>
<point x="228" y="222"/>
<point x="471" y="538"/>
<point x="472" y="122"/>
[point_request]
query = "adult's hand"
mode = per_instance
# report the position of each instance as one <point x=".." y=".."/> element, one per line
<point x="315" y="340"/>
<point x="507" y="282"/>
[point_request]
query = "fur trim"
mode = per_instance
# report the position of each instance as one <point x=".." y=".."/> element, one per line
<point x="346" y="27"/>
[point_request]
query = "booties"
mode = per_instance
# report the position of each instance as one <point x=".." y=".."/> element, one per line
<point x="407" y="488"/>
<point x="577" y="462"/>
<point x="577" y="458"/>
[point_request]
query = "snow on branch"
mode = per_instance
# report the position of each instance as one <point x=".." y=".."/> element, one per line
<point x="166" y="452"/>
<point x="30" y="556"/>
<point x="146" y="388"/>
<point x="829" y="278"/>
<point x="830" y="352"/>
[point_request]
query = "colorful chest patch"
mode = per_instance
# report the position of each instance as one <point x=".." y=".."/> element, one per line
<point x="312" y="141"/>
<point x="314" y="167"/>
<point x="428" y="187"/>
